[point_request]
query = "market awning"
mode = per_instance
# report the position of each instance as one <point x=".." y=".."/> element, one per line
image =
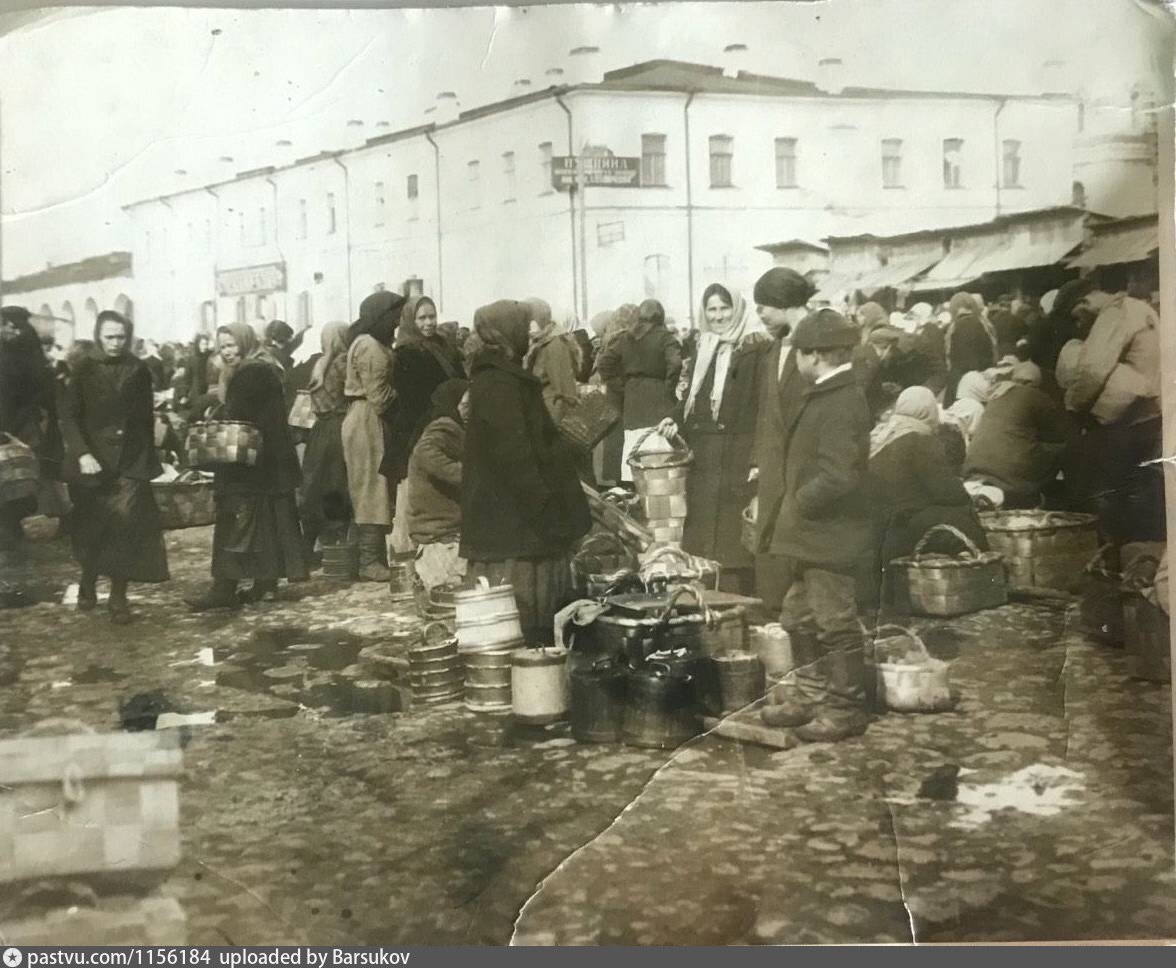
<point x="971" y="258"/>
<point x="1130" y="245"/>
<point x="958" y="267"/>
<point x="897" y="272"/>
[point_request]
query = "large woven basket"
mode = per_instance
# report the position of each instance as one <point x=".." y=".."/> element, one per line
<point x="184" y="503"/>
<point x="588" y="421"/>
<point x="936" y="584"/>
<point x="1043" y="549"/>
<point x="217" y="443"/>
<point x="19" y="469"/>
<point x="302" y="413"/>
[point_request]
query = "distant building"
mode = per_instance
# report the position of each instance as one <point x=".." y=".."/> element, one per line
<point x="465" y="206"/>
<point x="67" y="298"/>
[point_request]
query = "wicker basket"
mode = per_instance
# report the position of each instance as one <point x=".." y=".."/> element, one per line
<point x="1043" y="549"/>
<point x="668" y="567"/>
<point x="949" y="585"/>
<point x="660" y="479"/>
<point x="917" y="684"/>
<point x="19" y="469"/>
<point x="302" y="413"/>
<point x="184" y="503"/>
<point x="588" y="421"/>
<point x="89" y="804"/>
<point x="603" y="559"/>
<point x="1101" y="609"/>
<point x="217" y="443"/>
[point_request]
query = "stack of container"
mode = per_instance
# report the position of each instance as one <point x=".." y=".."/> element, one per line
<point x="434" y="667"/>
<point x="488" y="632"/>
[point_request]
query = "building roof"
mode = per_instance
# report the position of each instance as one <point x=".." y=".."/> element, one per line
<point x="793" y="245"/>
<point x="1126" y="240"/>
<point x="93" y="269"/>
<point x="1013" y="218"/>
<point x="654" y="75"/>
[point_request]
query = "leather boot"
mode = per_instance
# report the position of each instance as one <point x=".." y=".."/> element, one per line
<point x="373" y="553"/>
<point x="222" y="595"/>
<point x="786" y="706"/>
<point x="120" y="610"/>
<point x="259" y="591"/>
<point x="88" y="593"/>
<point x="842" y="713"/>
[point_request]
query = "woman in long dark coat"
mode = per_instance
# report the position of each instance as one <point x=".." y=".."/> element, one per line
<point x="421" y="361"/>
<point x="256" y="533"/>
<point x="326" y="503"/>
<point x="109" y="426"/>
<point x="717" y="418"/>
<point x="522" y="506"/>
<point x="28" y="411"/>
<point x="971" y="342"/>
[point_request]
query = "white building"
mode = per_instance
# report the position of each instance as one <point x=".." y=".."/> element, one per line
<point x="66" y="299"/>
<point x="464" y="207"/>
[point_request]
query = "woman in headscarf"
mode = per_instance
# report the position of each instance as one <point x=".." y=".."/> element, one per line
<point x="1022" y="441"/>
<point x="256" y="533"/>
<point x="368" y="388"/>
<point x="641" y="364"/>
<point x="718" y="416"/>
<point x="109" y="426"/>
<point x="912" y="483"/>
<point x="522" y="506"/>
<point x="971" y="342"/>
<point x="28" y="411"/>
<point x="433" y="487"/>
<point x="972" y="395"/>
<point x="326" y="503"/>
<point x="421" y="361"/>
<point x="552" y="358"/>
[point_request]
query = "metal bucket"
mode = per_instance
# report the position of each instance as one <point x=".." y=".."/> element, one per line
<point x="741" y="679"/>
<point x="660" y="709"/>
<point x="488" y="699"/>
<point x="401" y="586"/>
<point x="539" y="685"/>
<point x="597" y="702"/>
<point x="341" y="561"/>
<point x="487" y="679"/>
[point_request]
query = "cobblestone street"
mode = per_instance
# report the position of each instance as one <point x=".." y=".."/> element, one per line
<point x="314" y="810"/>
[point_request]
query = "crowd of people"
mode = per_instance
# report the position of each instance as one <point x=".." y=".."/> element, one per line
<point x="843" y="434"/>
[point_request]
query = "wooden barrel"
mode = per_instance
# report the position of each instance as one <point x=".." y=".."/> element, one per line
<point x="341" y="561"/>
<point x="1043" y="549"/>
<point x="741" y="679"/>
<point x="488" y="680"/>
<point x="487" y="619"/>
<point x="401" y="585"/>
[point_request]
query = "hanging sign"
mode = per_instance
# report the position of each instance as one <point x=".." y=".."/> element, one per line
<point x="568" y="171"/>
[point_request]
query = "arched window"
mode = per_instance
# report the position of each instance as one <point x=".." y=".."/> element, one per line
<point x="124" y="305"/>
<point x="67" y="312"/>
<point x="89" y="315"/>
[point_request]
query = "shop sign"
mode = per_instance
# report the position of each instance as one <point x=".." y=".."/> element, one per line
<point x="270" y="277"/>
<point x="568" y="171"/>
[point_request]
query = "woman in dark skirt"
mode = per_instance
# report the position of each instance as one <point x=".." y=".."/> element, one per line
<point x="108" y="422"/>
<point x="421" y="362"/>
<point x="326" y="504"/>
<point x="522" y="507"/>
<point x="717" y="418"/>
<point x="256" y="533"/>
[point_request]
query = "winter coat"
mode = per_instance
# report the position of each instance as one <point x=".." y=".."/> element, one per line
<point x="824" y="517"/>
<point x="1021" y="442"/>
<point x="780" y="397"/>
<point x="717" y="489"/>
<point x="368" y="386"/>
<point x="28" y="408"/>
<point x="434" y="482"/>
<point x="1125" y="332"/>
<point x="521" y="496"/>
<point x="642" y="366"/>
<point x="109" y="413"/>
<point x="416" y="373"/>
<point x="255" y="395"/>
<point x="554" y="364"/>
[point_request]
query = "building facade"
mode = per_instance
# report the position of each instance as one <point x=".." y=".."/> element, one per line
<point x="465" y="208"/>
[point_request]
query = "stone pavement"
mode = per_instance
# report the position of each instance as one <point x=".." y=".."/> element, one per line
<point x="313" y="811"/>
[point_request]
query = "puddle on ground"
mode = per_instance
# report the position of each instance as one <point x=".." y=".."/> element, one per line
<point x="316" y="669"/>
<point x="1044" y="791"/>
<point x="95" y="674"/>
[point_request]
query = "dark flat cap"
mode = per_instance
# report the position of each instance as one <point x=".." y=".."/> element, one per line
<point x="826" y="329"/>
<point x="782" y="288"/>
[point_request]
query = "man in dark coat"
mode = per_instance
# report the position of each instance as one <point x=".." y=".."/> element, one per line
<point x="522" y="507"/>
<point x="780" y="295"/>
<point x="108" y="422"/>
<point x="823" y="529"/>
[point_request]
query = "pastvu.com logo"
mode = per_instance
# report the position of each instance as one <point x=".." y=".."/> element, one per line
<point x="12" y="958"/>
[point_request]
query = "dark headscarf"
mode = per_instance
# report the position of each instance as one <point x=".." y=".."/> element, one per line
<point x="445" y="399"/>
<point x="250" y="349"/>
<point x="379" y="315"/>
<point x="504" y="327"/>
<point x="110" y="316"/>
<point x="409" y="334"/>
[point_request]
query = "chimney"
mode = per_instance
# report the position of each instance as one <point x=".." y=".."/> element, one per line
<point x="1055" y="77"/>
<point x="521" y="86"/>
<point x="283" y="152"/>
<point x="734" y="59"/>
<point x="584" y="66"/>
<point x="554" y="76"/>
<point x="448" y="107"/>
<point x="831" y="75"/>
<point x="354" y="134"/>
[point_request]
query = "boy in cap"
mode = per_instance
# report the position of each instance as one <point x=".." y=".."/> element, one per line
<point x="822" y="530"/>
<point x="781" y="295"/>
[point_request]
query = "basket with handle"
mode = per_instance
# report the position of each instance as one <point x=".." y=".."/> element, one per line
<point x="302" y="413"/>
<point x="660" y="481"/>
<point x="914" y="682"/>
<point x="1043" y="549"/>
<point x="220" y="443"/>
<point x="1100" y="610"/>
<point x="669" y="567"/>
<point x="602" y="560"/>
<point x="186" y="502"/>
<point x="19" y="469"/>
<point x="936" y="584"/>
<point x="588" y="420"/>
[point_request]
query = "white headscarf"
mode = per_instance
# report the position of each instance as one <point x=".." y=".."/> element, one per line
<point x="717" y="343"/>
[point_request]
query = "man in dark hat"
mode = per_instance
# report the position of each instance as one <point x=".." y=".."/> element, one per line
<point x="822" y="529"/>
<point x="780" y="297"/>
